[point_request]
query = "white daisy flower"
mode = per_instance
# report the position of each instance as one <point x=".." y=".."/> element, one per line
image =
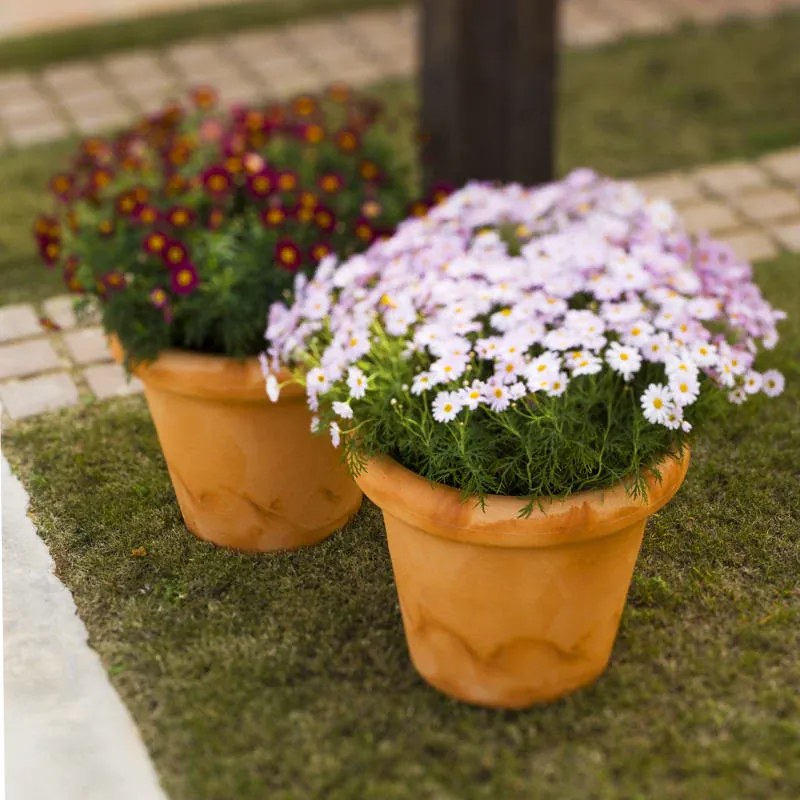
<point x="624" y="359"/>
<point x="684" y="390"/>
<point x="557" y="385"/>
<point x="343" y="410"/>
<point x="656" y="403"/>
<point x="773" y="383"/>
<point x="317" y="381"/>
<point x="336" y="434"/>
<point x="446" y="406"/>
<point x="753" y="381"/>
<point x="357" y="383"/>
<point x="273" y="388"/>
<point x="497" y="396"/>
<point x="471" y="396"/>
<point x="421" y="383"/>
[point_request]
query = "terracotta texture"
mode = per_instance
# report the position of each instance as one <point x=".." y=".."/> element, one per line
<point x="247" y="472"/>
<point x="504" y="611"/>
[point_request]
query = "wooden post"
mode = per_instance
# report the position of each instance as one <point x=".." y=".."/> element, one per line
<point x="488" y="89"/>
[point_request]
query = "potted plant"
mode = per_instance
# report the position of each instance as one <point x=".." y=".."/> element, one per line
<point x="186" y="226"/>
<point x="514" y="380"/>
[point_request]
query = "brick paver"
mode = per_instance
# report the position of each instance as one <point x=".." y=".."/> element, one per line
<point x="20" y="359"/>
<point x="769" y="204"/>
<point x="110" y="380"/>
<point x="18" y="322"/>
<point x="60" y="310"/>
<point x="732" y="178"/>
<point x="751" y="244"/>
<point x="710" y="216"/>
<point x="788" y="235"/>
<point x="87" y="345"/>
<point x="784" y="164"/>
<point x="27" y="398"/>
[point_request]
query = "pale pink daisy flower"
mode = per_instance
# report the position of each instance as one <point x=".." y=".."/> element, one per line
<point x="773" y="383"/>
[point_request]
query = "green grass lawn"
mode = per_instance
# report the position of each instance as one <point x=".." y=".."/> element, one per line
<point x="160" y="30"/>
<point x="286" y="676"/>
<point x="639" y="106"/>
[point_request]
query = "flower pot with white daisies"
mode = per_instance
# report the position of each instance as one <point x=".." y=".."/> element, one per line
<point x="186" y="227"/>
<point x="515" y="380"/>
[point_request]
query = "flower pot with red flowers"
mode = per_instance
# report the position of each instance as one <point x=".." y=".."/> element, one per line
<point x="514" y="381"/>
<point x="186" y="227"/>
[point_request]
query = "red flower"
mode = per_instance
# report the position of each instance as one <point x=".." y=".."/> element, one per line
<point x="125" y="203"/>
<point x="441" y="191"/>
<point x="419" y="208"/>
<point x="106" y="227"/>
<point x="304" y="105"/>
<point x="204" y="96"/>
<point x="369" y="170"/>
<point x="46" y="228"/>
<point x="155" y="242"/>
<point x="288" y="254"/>
<point x="180" y="216"/>
<point x="114" y="280"/>
<point x="330" y="182"/>
<point x="159" y="297"/>
<point x="62" y="185"/>
<point x="261" y="184"/>
<point x="319" y="250"/>
<point x="313" y="133"/>
<point x="273" y="217"/>
<point x="216" y="216"/>
<point x="338" y="92"/>
<point x="325" y="218"/>
<point x="216" y="181"/>
<point x="99" y="179"/>
<point x="145" y="214"/>
<point x="176" y="184"/>
<point x="364" y="230"/>
<point x="175" y="254"/>
<point x="371" y="209"/>
<point x="184" y="280"/>
<point x="287" y="180"/>
<point x="50" y="250"/>
<point x="347" y="140"/>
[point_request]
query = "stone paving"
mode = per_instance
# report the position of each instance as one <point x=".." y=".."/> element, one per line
<point x="753" y="205"/>
<point x="360" y="48"/>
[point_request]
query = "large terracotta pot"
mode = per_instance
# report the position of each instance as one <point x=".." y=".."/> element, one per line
<point x="504" y="611"/>
<point x="247" y="472"/>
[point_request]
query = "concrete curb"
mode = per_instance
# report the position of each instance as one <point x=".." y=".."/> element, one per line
<point x="67" y="733"/>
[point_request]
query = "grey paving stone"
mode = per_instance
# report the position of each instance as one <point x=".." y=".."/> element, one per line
<point x="784" y="164"/>
<point x="18" y="322"/>
<point x="731" y="178"/>
<point x="87" y="345"/>
<point x="27" y="398"/>
<point x="110" y="380"/>
<point x="48" y="129"/>
<point x="710" y="216"/>
<point x="751" y="244"/>
<point x="788" y="234"/>
<point x="74" y="79"/>
<point x="769" y="204"/>
<point x="61" y="311"/>
<point x="21" y="359"/>
<point x="673" y="186"/>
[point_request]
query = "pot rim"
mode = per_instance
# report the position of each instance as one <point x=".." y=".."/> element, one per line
<point x="586" y="515"/>
<point x="206" y="375"/>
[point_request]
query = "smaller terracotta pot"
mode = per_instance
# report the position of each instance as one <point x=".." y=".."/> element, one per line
<point x="247" y="472"/>
<point x="504" y="611"/>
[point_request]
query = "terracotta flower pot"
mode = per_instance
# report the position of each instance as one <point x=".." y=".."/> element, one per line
<point x="247" y="472"/>
<point x="504" y="611"/>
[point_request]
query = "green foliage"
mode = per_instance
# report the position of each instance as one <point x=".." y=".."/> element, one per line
<point x="190" y="224"/>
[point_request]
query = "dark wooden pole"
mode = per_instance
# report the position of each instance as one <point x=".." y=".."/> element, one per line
<point x="488" y="89"/>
